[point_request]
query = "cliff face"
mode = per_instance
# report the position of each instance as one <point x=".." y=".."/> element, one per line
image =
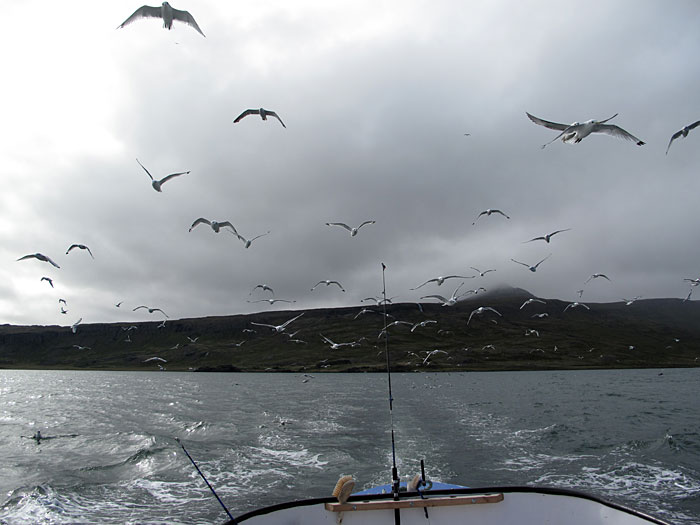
<point x="648" y="333"/>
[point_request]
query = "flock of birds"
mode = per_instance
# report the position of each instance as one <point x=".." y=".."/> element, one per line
<point x="568" y="133"/>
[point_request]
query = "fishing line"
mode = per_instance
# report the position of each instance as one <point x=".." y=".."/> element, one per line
<point x="205" y="481"/>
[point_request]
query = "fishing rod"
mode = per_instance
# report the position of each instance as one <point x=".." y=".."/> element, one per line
<point x="394" y="471"/>
<point x="233" y="520"/>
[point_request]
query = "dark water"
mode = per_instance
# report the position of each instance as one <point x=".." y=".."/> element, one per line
<point x="630" y="436"/>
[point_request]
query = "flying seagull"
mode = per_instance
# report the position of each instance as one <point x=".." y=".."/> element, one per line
<point x="47" y="279"/>
<point x="353" y="231"/>
<point x="530" y="301"/>
<point x="481" y="274"/>
<point x="39" y="256"/>
<point x="328" y="282"/>
<point x="596" y="276"/>
<point x="547" y="238"/>
<point x="682" y="133"/>
<point x="158" y="183"/>
<point x="577" y="131"/>
<point x="74" y="326"/>
<point x="422" y="324"/>
<point x="279" y="328"/>
<point x="336" y="346"/>
<point x="264" y="113"/>
<point x="264" y="288"/>
<point x="693" y="282"/>
<point x="532" y="268"/>
<point x="248" y="242"/>
<point x="151" y="310"/>
<point x="271" y="301"/>
<point x="82" y="247"/>
<point x="154" y="359"/>
<point x="575" y="305"/>
<point x="441" y="279"/>
<point x="216" y="226"/>
<point x="166" y="12"/>
<point x="82" y="347"/>
<point x="482" y="310"/>
<point x="488" y="213"/>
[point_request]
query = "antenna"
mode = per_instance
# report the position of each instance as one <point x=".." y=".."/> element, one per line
<point x="394" y="471"/>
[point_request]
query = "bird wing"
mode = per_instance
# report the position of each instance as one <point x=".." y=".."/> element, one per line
<point x="693" y="125"/>
<point x="341" y="224"/>
<point x="145" y="11"/>
<point x="559" y="231"/>
<point x="186" y="17"/>
<point x="137" y="160"/>
<point x="293" y="319"/>
<point x="547" y="123"/>
<point x="520" y="263"/>
<point x="90" y="252"/>
<point x="261" y="235"/>
<point x="146" y="307"/>
<point x="366" y="222"/>
<point x="201" y="220"/>
<point x="617" y="131"/>
<point x="492" y="310"/>
<point x="158" y="310"/>
<point x="426" y="282"/>
<point x="171" y="176"/>
<point x="543" y="260"/>
<point x="535" y="239"/>
<point x="439" y="297"/>
<point x="228" y="223"/>
<point x="273" y="114"/>
<point x="246" y="113"/>
<point x="70" y="248"/>
<point x="673" y="137"/>
<point x="263" y="324"/>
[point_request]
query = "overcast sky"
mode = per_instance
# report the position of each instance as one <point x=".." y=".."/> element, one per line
<point x="377" y="98"/>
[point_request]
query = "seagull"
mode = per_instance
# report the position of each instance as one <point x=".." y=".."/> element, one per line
<point x="596" y="275"/>
<point x="192" y="339"/>
<point x="63" y="310"/>
<point x="151" y="310"/>
<point x="576" y="132"/>
<point x="249" y="242"/>
<point x="540" y="316"/>
<point x="216" y="226"/>
<point x="628" y="302"/>
<point x="693" y="282"/>
<point x="119" y="304"/>
<point x="158" y="183"/>
<point x="532" y="268"/>
<point x="441" y="279"/>
<point x="530" y="301"/>
<point x="155" y="359"/>
<point x="328" y="283"/>
<point x="82" y="247"/>
<point x="47" y="279"/>
<point x="166" y="12"/>
<point x="264" y="113"/>
<point x="546" y="238"/>
<point x="487" y="213"/>
<point x="575" y="305"/>
<point x="580" y="293"/>
<point x="481" y="274"/>
<point x="161" y="325"/>
<point x="422" y="324"/>
<point x="365" y="311"/>
<point x="129" y="328"/>
<point x="264" y="288"/>
<point x="531" y="331"/>
<point x="353" y="231"/>
<point x="431" y="354"/>
<point x="475" y="291"/>
<point x="480" y="311"/>
<point x="271" y="301"/>
<point x="39" y="256"/>
<point x="74" y="326"/>
<point x="446" y="302"/>
<point x="683" y="133"/>
<point x="335" y="346"/>
<point x="279" y="328"/>
<point x="82" y="347"/>
<point x="62" y="301"/>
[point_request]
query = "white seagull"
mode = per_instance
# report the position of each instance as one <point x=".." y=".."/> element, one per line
<point x="80" y="246"/>
<point x="154" y="359"/>
<point x="431" y="354"/>
<point x="335" y="346"/>
<point x="328" y="282"/>
<point x="575" y="305"/>
<point x="47" y="279"/>
<point x="530" y="301"/>
<point x="264" y="288"/>
<point x="693" y="282"/>
<point x="166" y="12"/>
<point x="74" y="326"/>
<point x="248" y="242"/>
<point x="532" y="268"/>
<point x="151" y="310"/>
<point x="158" y="183"/>
<point x="481" y="274"/>
<point x="546" y="238"/>
<point x="264" y="113"/>
<point x="596" y="276"/>
<point x="682" y="133"/>
<point x="271" y="301"/>
<point x="441" y="279"/>
<point x="446" y="302"/>
<point x="422" y="324"/>
<point x="353" y="231"/>
<point x="482" y="310"/>
<point x="215" y="225"/>
<point x="39" y="256"/>
<point x="629" y="302"/>
<point x="281" y="327"/>
<point x="82" y="347"/>
<point x="576" y="132"/>
<point x="488" y="213"/>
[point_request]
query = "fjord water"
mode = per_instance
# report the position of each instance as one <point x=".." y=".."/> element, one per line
<point x="630" y="436"/>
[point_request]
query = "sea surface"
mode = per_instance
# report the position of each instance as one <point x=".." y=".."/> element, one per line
<point x="630" y="436"/>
